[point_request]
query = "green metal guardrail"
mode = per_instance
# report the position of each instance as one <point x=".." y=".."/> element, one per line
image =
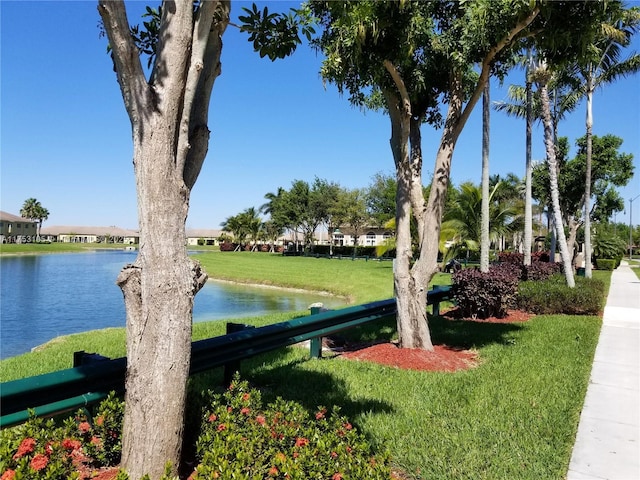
<point x="78" y="387"/>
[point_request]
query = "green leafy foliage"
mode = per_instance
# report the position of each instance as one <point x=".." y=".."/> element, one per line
<point x="275" y="35"/>
<point x="553" y="296"/>
<point x="607" y="263"/>
<point x="606" y="244"/>
<point x="42" y="449"/>
<point x="243" y="439"/>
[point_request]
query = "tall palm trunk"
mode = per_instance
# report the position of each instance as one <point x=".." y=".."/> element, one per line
<point x="484" y="229"/>
<point x="553" y="178"/>
<point x="587" y="183"/>
<point x="528" y="213"/>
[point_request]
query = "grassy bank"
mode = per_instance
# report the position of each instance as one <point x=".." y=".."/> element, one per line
<point x="513" y="416"/>
<point x="39" y="248"/>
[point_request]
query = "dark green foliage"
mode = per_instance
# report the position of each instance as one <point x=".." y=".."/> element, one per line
<point x="607" y="263"/>
<point x="483" y="295"/>
<point x="553" y="296"/>
<point x="606" y="244"/>
<point x="242" y="438"/>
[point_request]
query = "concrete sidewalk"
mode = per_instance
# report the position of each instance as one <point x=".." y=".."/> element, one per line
<point x="608" y="440"/>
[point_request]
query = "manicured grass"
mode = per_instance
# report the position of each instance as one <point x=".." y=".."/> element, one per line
<point x="513" y="416"/>
<point x="359" y="280"/>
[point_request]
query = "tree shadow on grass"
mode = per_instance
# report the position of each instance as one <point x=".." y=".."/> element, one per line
<point x="471" y="334"/>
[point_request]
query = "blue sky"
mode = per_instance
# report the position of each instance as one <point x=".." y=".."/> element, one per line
<point x="66" y="138"/>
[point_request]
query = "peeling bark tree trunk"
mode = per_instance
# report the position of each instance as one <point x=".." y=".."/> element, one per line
<point x="553" y="178"/>
<point x="168" y="116"/>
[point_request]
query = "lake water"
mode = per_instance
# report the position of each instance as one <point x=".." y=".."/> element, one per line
<point x="45" y="296"/>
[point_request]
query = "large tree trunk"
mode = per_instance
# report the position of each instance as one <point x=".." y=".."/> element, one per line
<point x="553" y="178"/>
<point x="587" y="182"/>
<point x="411" y="300"/>
<point x="159" y="290"/>
<point x="484" y="217"/>
<point x="169" y="115"/>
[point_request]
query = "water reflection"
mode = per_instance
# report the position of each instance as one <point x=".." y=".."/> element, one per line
<point x="45" y="296"/>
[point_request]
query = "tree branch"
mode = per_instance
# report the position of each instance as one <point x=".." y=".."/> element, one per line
<point x="135" y="90"/>
<point x="488" y="60"/>
<point x="201" y="31"/>
<point x="198" y="129"/>
<point x="402" y="89"/>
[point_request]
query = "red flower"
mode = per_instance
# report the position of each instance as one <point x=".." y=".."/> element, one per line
<point x="39" y="462"/>
<point x="26" y="446"/>
<point x="84" y="427"/>
<point x="96" y="441"/>
<point x="319" y="415"/>
<point x="8" y="475"/>
<point x="246" y="397"/>
<point x="222" y="427"/>
<point x="245" y="411"/>
<point x="337" y="476"/>
<point x="213" y="417"/>
<point x="301" y="442"/>
<point x="69" y="444"/>
<point x="100" y="421"/>
<point x="229" y="409"/>
<point x="296" y="454"/>
<point x="347" y="425"/>
<point x="260" y="419"/>
<point x="273" y="472"/>
<point x="334" y="454"/>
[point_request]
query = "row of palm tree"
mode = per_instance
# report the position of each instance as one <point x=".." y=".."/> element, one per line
<point x="601" y="65"/>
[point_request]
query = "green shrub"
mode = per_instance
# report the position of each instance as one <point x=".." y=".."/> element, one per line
<point x="483" y="295"/>
<point x="607" y="263"/>
<point x="42" y="449"/>
<point x="242" y="439"/>
<point x="553" y="296"/>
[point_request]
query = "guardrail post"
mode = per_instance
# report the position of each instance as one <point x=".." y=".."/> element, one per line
<point x="231" y="368"/>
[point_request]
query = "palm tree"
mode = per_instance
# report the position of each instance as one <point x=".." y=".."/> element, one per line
<point x="484" y="228"/>
<point x="462" y="225"/>
<point x="603" y="65"/>
<point x="33" y="210"/>
<point x="525" y="104"/>
<point x="541" y="75"/>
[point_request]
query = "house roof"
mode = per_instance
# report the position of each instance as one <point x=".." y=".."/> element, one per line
<point x="8" y="217"/>
<point x="202" y="233"/>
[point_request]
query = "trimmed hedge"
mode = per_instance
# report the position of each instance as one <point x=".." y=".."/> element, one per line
<point x="607" y="263"/>
<point x="553" y="296"/>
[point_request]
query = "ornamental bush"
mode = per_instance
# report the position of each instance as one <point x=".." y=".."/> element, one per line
<point x="553" y="296"/>
<point x="241" y="438"/>
<point x="482" y="295"/>
<point x="607" y="263"/>
<point x="42" y="449"/>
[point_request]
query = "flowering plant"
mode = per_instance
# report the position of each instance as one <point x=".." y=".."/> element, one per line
<point x="242" y="439"/>
<point x="41" y="449"/>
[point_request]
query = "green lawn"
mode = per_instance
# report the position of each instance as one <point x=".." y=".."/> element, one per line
<point x="513" y="417"/>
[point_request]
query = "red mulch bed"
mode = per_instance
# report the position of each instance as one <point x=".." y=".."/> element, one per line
<point x="442" y="359"/>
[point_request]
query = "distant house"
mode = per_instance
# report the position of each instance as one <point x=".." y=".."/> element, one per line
<point x="75" y="234"/>
<point x="366" y="236"/>
<point x="203" y="237"/>
<point x="15" y="229"/>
